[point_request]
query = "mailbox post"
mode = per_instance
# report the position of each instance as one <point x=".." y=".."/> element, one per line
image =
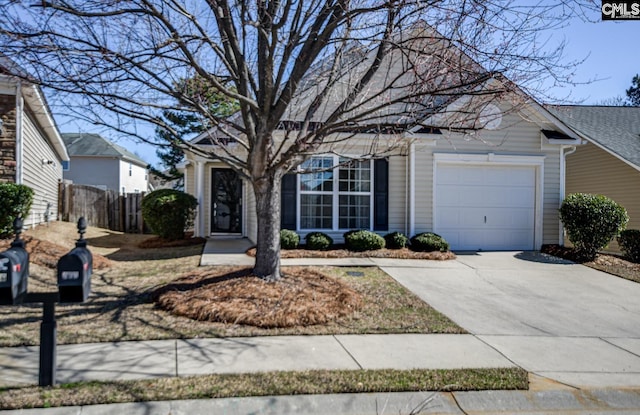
<point x="14" y="269"/>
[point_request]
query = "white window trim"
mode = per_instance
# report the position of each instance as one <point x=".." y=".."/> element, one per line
<point x="335" y="201"/>
<point x="492" y="159"/>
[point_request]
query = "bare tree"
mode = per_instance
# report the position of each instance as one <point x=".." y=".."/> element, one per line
<point x="307" y="75"/>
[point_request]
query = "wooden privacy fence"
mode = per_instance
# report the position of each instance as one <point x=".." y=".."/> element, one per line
<point x="101" y="208"/>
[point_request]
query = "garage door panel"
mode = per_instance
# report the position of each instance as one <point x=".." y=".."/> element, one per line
<point x="486" y="207"/>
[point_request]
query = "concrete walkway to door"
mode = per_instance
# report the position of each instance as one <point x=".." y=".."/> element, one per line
<point x="557" y="319"/>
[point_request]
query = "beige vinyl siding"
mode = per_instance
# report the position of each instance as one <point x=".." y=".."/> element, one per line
<point x="43" y="178"/>
<point x="398" y="194"/>
<point x="423" y="188"/>
<point x="515" y="137"/>
<point x="592" y="170"/>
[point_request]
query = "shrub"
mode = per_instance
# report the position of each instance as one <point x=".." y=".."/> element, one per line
<point x="318" y="241"/>
<point x="428" y="242"/>
<point x="396" y="240"/>
<point x="15" y="202"/>
<point x="363" y="241"/>
<point x="629" y="241"/>
<point x="169" y="212"/>
<point x="591" y="222"/>
<point x="289" y="239"/>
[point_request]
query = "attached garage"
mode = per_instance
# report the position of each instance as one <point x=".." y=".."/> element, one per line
<point x="488" y="202"/>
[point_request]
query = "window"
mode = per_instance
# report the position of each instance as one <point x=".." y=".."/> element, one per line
<point x="66" y="165"/>
<point x="130" y="168"/>
<point x="335" y="198"/>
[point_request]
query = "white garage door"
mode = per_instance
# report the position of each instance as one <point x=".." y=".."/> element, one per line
<point x="486" y="207"/>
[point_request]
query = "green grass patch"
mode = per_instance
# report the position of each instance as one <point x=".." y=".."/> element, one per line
<point x="263" y="384"/>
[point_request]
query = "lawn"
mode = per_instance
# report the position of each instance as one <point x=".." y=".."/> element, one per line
<point x="125" y="278"/>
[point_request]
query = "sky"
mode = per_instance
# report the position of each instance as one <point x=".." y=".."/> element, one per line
<point x="611" y="59"/>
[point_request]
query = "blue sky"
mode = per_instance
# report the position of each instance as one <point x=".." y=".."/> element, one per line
<point x="612" y="59"/>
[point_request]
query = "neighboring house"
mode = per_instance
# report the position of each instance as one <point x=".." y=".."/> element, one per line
<point x="96" y="161"/>
<point x="610" y="163"/>
<point x="498" y="189"/>
<point x="31" y="150"/>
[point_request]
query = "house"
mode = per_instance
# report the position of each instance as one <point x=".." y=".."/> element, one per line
<point x="497" y="188"/>
<point x="96" y="161"/>
<point x="31" y="150"/>
<point x="609" y="164"/>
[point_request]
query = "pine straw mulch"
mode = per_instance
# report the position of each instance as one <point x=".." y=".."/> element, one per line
<point x="339" y="252"/>
<point x="47" y="254"/>
<point x="609" y="263"/>
<point x="303" y="297"/>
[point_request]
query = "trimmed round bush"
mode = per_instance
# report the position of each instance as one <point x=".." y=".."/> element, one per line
<point x="363" y="241"/>
<point x="629" y="241"/>
<point x="318" y="241"/>
<point x="15" y="202"/>
<point x="591" y="222"/>
<point x="169" y="212"/>
<point x="396" y="240"/>
<point x="429" y="242"/>
<point x="289" y="239"/>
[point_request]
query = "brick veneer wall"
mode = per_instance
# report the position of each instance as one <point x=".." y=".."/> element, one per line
<point x="8" y="138"/>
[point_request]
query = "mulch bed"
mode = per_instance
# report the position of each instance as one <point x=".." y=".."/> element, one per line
<point x="47" y="254"/>
<point x="404" y="253"/>
<point x="303" y="297"/>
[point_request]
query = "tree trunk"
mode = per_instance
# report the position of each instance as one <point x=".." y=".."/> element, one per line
<point x="267" y="193"/>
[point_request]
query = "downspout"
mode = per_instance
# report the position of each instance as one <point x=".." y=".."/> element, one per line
<point x="563" y="178"/>
<point x="19" y="138"/>
<point x="412" y="189"/>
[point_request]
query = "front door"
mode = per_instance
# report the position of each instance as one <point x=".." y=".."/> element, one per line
<point x="226" y="202"/>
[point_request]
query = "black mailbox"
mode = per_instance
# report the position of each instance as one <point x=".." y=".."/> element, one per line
<point x="74" y="271"/>
<point x="14" y="269"/>
<point x="14" y="273"/>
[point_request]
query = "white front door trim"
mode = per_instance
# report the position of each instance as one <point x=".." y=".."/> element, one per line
<point x="492" y="159"/>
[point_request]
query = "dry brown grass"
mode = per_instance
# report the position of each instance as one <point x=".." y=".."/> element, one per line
<point x="303" y="297"/>
<point x="120" y="306"/>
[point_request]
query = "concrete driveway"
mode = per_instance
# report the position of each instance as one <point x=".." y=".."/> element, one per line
<point x="557" y="319"/>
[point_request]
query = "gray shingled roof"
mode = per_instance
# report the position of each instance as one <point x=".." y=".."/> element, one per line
<point x="94" y="145"/>
<point x="617" y="129"/>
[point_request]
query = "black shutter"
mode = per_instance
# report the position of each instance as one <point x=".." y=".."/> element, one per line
<point x="381" y="195"/>
<point x="288" y="201"/>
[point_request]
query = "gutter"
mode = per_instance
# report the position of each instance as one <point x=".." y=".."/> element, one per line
<point x="412" y="189"/>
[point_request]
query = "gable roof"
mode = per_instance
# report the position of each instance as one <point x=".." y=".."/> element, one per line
<point x="614" y="129"/>
<point x="13" y="74"/>
<point x="94" y="145"/>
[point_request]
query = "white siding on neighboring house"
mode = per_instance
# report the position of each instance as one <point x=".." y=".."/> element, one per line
<point x="41" y="171"/>
<point x="133" y="178"/>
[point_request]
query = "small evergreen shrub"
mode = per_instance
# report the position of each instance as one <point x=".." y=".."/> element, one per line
<point x="629" y="241"/>
<point x="363" y="241"/>
<point x="396" y="240"/>
<point x="428" y="242"/>
<point x="15" y="202"/>
<point x="318" y="241"/>
<point x="289" y="239"/>
<point x="591" y="222"/>
<point x="169" y="212"/>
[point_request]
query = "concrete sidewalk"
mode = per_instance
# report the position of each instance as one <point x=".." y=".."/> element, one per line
<point x="166" y="358"/>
